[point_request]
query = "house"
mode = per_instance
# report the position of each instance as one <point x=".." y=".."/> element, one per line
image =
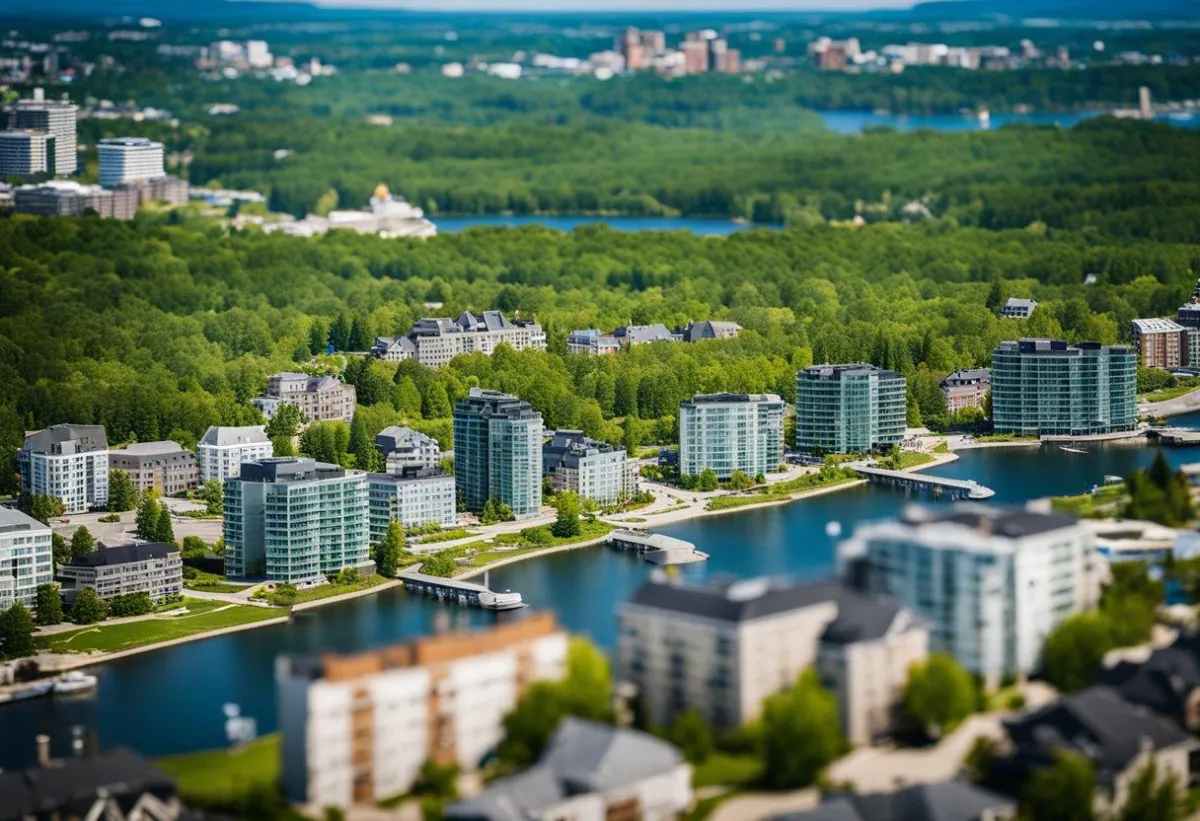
<point x="966" y="388"/>
<point x="393" y="348"/>
<point x="589" y="772"/>
<point x="591" y="341"/>
<point x="708" y="329"/>
<point x="1167" y="683"/>
<point x="944" y="801"/>
<point x="1017" y="308"/>
<point x="643" y="334"/>
<point x="403" y="447"/>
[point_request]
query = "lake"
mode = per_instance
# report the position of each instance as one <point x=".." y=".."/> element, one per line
<point x="854" y="122"/>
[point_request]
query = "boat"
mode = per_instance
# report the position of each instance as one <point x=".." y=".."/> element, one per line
<point x="1112" y="479"/>
<point x="508" y="600"/>
<point x="74" y="683"/>
<point x="36" y="690"/>
<point x="1071" y="450"/>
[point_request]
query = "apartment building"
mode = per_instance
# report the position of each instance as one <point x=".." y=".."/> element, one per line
<point x="164" y="467"/>
<point x="120" y="570"/>
<point x="68" y="462"/>
<point x="1017" y="308"/>
<point x="404" y="447"/>
<point x="1044" y="387"/>
<point x="221" y="451"/>
<point x="498" y="452"/>
<point x="55" y="117"/>
<point x="413" y="497"/>
<point x="722" y="649"/>
<point x="26" y="558"/>
<point x="359" y="728"/>
<point x="434" y="342"/>
<point x="1161" y="343"/>
<point x="319" y="398"/>
<point x="727" y="432"/>
<point x="393" y="348"/>
<point x="67" y="198"/>
<point x="991" y="583"/>
<point x="592" y="342"/>
<point x="966" y="388"/>
<point x="708" y="329"/>
<point x="643" y="334"/>
<point x="296" y="520"/>
<point x="125" y="160"/>
<point x="26" y="153"/>
<point x="595" y="470"/>
<point x="854" y="408"/>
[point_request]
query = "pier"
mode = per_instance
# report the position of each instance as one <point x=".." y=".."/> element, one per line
<point x="952" y="488"/>
<point x="456" y="591"/>
<point x="1176" y="437"/>
<point x="656" y="548"/>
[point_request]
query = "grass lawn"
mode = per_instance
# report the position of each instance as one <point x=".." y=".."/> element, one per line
<point x="326" y="591"/>
<point x="780" y="492"/>
<point x="111" y="638"/>
<point x="1168" y="393"/>
<point x="223" y="777"/>
<point x="1004" y="437"/>
<point x="212" y="583"/>
<point x="1105" y="503"/>
<point x="486" y="553"/>
<point x="447" y="535"/>
<point x="729" y="769"/>
<point x="912" y="459"/>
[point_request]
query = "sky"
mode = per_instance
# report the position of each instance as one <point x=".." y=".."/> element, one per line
<point x="621" y="5"/>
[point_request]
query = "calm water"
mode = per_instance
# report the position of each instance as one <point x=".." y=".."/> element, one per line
<point x="702" y="227"/>
<point x="853" y="122"/>
<point x="170" y="701"/>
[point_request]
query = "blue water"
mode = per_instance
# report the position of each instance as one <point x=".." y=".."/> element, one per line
<point x="699" y="226"/>
<point x="171" y="700"/>
<point x="853" y="122"/>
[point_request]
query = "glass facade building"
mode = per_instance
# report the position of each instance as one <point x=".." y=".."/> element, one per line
<point x="295" y="520"/>
<point x="725" y="432"/>
<point x="1045" y="387"/>
<point x="849" y="409"/>
<point x="498" y="452"/>
<point x="413" y="497"/>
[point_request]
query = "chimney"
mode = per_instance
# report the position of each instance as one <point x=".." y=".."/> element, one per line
<point x="43" y="750"/>
<point x="39" y="94"/>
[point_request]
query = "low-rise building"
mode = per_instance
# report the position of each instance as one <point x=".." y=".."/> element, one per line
<point x="319" y="398"/>
<point x="943" y="801"/>
<point x="403" y="447"/>
<point x="595" y="470"/>
<point x="120" y="570"/>
<point x="164" y="467"/>
<point x="221" y="451"/>
<point x="126" y="160"/>
<point x="26" y="558"/>
<point x="1018" y="308"/>
<point x="854" y="408"/>
<point x="393" y="348"/>
<point x="26" y="153"/>
<point x="68" y="462"/>
<point x="593" y="342"/>
<point x="1167" y="682"/>
<point x="1161" y="343"/>
<point x="644" y="334"/>
<point x="359" y="728"/>
<point x="589" y="772"/>
<point x="728" y="432"/>
<point x="966" y="388"/>
<point x="413" y="497"/>
<point x="708" y="329"/>
<point x="434" y="342"/>
<point x="67" y="198"/>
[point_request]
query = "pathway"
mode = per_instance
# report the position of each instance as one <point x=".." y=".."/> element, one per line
<point x="1172" y="407"/>
<point x="766" y="805"/>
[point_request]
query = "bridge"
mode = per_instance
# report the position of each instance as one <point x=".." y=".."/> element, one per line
<point x="457" y="591"/>
<point x="953" y="488"/>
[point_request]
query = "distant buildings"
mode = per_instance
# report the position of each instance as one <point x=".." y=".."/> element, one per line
<point x="498" y="452"/>
<point x="833" y="55"/>
<point x="221" y="451"/>
<point x="67" y="198"/>
<point x="404" y="448"/>
<point x="709" y="329"/>
<point x="728" y="432"/>
<point x="1017" y="308"/>
<point x="26" y="556"/>
<point x="164" y="467"/>
<point x="68" y="462"/>
<point x="55" y="118"/>
<point x="595" y="470"/>
<point x="1161" y="343"/>
<point x="155" y="569"/>
<point x="357" y="729"/>
<point x="319" y="398"/>
<point x="991" y="583"/>
<point x="26" y="153"/>
<point x="591" y="341"/>
<point x="434" y="342"/>
<point x="387" y="216"/>
<point x="126" y="160"/>
<point x="589" y="772"/>
<point x="413" y="497"/>
<point x="723" y="649"/>
<point x="943" y="801"/>
<point x="1043" y="387"/>
<point x="643" y="334"/>
<point x="966" y="388"/>
<point x="849" y="409"/>
<point x="295" y="520"/>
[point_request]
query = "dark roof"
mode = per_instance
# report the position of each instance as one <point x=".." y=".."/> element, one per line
<point x="513" y="798"/>
<point x="486" y="403"/>
<point x="861" y="618"/>
<point x="1164" y="682"/>
<point x="738" y="601"/>
<point x="945" y="801"/>
<point x="831" y="371"/>
<point x="91" y="438"/>
<point x="1012" y="522"/>
<point x="123" y="554"/>
<point x="967" y="375"/>
<point x="289" y="469"/>
<point x="72" y="786"/>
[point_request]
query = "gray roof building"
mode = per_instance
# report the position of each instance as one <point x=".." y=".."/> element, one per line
<point x="709" y="329"/>
<point x="642" y="334"/>
<point x="225" y="437"/>
<point x="56" y="439"/>
<point x="945" y="801"/>
<point x="1165" y="683"/>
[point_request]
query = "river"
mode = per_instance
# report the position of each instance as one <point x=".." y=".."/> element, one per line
<point x="854" y="122"/>
<point x="171" y="700"/>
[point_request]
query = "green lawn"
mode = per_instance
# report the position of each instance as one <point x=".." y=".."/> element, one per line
<point x="1168" y="393"/>
<point x="212" y="583"/>
<point x="729" y="769"/>
<point x="781" y="491"/>
<point x="447" y="535"/>
<point x="912" y="459"/>
<point x="1105" y="503"/>
<point x="486" y="553"/>
<point x="325" y="591"/>
<point x="1004" y="437"/>
<point x="111" y="638"/>
<point x="223" y="777"/>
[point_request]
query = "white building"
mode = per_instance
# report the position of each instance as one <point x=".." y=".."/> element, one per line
<point x="258" y="54"/>
<point x="595" y="470"/>
<point x="319" y="398"/>
<point x="68" y="462"/>
<point x="56" y="117"/>
<point x="26" y="558"/>
<point x="414" y="497"/>
<point x="437" y="341"/>
<point x="991" y="583"/>
<point x="125" y="160"/>
<point x="590" y="341"/>
<point x="26" y="153"/>
<point x="726" y="432"/>
<point x="404" y="447"/>
<point x="1017" y="308"/>
<point x="221" y="451"/>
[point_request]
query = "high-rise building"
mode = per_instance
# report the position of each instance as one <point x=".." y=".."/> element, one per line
<point x="1044" y="387"/>
<point x="125" y="160"/>
<point x="258" y="54"/>
<point x="695" y="56"/>
<point x="68" y="462"/>
<point x="221" y="451"/>
<point x="164" y="467"/>
<point x="413" y="497"/>
<point x="655" y="42"/>
<point x="296" y="520"/>
<point x="56" y="117"/>
<point x="595" y="470"/>
<point x="849" y="408"/>
<point x="319" y="398"/>
<point x="1161" y="343"/>
<point x="718" y="47"/>
<point x="1145" y="103"/>
<point x="727" y="432"/>
<point x="991" y="583"/>
<point x="26" y="153"/>
<point x="632" y="49"/>
<point x="26" y="558"/>
<point x="359" y="728"/>
<point x="498" y="452"/>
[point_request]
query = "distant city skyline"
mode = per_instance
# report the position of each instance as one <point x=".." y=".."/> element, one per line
<point x="622" y="5"/>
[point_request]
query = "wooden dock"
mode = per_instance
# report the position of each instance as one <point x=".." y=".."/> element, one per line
<point x="947" y="488"/>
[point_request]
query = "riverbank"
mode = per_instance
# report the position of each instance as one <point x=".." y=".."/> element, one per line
<point x="1176" y="406"/>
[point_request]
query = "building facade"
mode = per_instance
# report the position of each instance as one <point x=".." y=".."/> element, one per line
<point x="164" y="467"/>
<point x="125" y="160"/>
<point x="1161" y="343"/>
<point x="296" y="521"/>
<point x="966" y="388"/>
<point x="727" y="432"/>
<point x="434" y="342"/>
<point x="26" y="558"/>
<point x="221" y="451"/>
<point x="498" y="452"/>
<point x="590" y="341"/>
<point x="1017" y="308"/>
<point x="359" y="728"/>
<point x="413" y="497"/>
<point x="595" y="470"/>
<point x="55" y="117"/>
<point x="319" y="398"/>
<point x="1043" y="387"/>
<point x="403" y="447"/>
<point x="121" y="570"/>
<point x="68" y="462"/>
<point x="991" y="583"/>
<point x="26" y="153"/>
<point x="849" y="409"/>
<point x="67" y="198"/>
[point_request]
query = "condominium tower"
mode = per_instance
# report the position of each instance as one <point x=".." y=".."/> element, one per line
<point x="727" y="432"/>
<point x="1044" y="387"/>
<point x="25" y="153"/>
<point x="498" y="452"/>
<point x="125" y="160"/>
<point x="849" y="409"/>
<point x="26" y="558"/>
<point x="295" y="520"/>
<point x="221" y="451"/>
<point x="55" y="117"/>
<point x="68" y="462"/>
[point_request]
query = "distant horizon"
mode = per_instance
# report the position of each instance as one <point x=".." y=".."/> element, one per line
<point x="652" y="7"/>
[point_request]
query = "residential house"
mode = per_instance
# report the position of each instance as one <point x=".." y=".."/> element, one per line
<point x="403" y="447"/>
<point x="1017" y="308"/>
<point x="943" y="801"/>
<point x="591" y="341"/>
<point x="708" y="329"/>
<point x="966" y="388"/>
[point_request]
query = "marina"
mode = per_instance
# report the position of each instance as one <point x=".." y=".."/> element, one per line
<point x="1175" y="437"/>
<point x="464" y="593"/>
<point x="655" y="547"/>
<point x="72" y="683"/>
<point x="954" y="489"/>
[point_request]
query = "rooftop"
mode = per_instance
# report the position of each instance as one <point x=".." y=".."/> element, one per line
<point x="75" y="784"/>
<point x="151" y="448"/>
<point x="945" y="801"/>
<point x="487" y="403"/>
<point x="129" y="142"/>
<point x="968" y="375"/>
<point x="104" y="555"/>
<point x="1055" y="347"/>
<point x="12" y="521"/>
<point x="737" y="601"/>
<point x="1013" y="523"/>
<point x="726" y="398"/>
<point x="222" y="437"/>
<point x="88" y="439"/>
<point x="281" y="469"/>
<point x="1157" y="325"/>
<point x="830" y="371"/>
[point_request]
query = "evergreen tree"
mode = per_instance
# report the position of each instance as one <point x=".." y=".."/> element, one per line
<point x="361" y="337"/>
<point x="61" y="549"/>
<point x="146" y="524"/>
<point x="489" y="515"/>
<point x="407" y="398"/>
<point x="285" y="422"/>
<point x="122" y="495"/>
<point x="49" y="604"/>
<point x="995" y="297"/>
<point x="939" y="695"/>
<point x="213" y="494"/>
<point x="82" y="542"/>
<point x="318" y="337"/>
<point x="366" y="455"/>
<point x="45" y="508"/>
<point x="164" y="532"/>
<point x="339" y="333"/>
<point x="1063" y="792"/>
<point x="16" y="632"/>
<point x="566" y="525"/>
<point x="88" y="607"/>
<point x="387" y="552"/>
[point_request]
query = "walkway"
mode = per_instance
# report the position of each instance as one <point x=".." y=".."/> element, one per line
<point x="1172" y="407"/>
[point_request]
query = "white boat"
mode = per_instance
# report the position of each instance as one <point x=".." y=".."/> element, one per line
<point x="1071" y="450"/>
<point x="74" y="683"/>
<point x="508" y="600"/>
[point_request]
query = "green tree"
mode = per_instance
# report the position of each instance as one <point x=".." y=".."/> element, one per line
<point x="194" y="546"/>
<point x="1151" y="798"/>
<point x="707" y="480"/>
<point x="1063" y="792"/>
<point x="995" y="297"/>
<point x="801" y="733"/>
<point x="939" y="694"/>
<point x="146" y="523"/>
<point x="692" y="734"/>
<point x="49" y="604"/>
<point x="130" y="604"/>
<point x="566" y="524"/>
<point x="489" y="514"/>
<point x="82" y="542"/>
<point x="88" y="608"/>
<point x="163" y="530"/>
<point x="740" y="480"/>
<point x="122" y="495"/>
<point x="1072" y="652"/>
<point x="213" y="494"/>
<point x="285" y="422"/>
<point x="387" y="552"/>
<point x="45" y="508"/>
<point x="439" y="564"/>
<point x="16" y="632"/>
<point x="61" y="549"/>
<point x="366" y="455"/>
<point x="318" y="336"/>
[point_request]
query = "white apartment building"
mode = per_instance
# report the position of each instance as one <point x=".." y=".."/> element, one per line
<point x="258" y="54"/>
<point x="125" y="160"/>
<point x="359" y="728"/>
<point x="592" y="342"/>
<point x="56" y="117"/>
<point x="991" y="583"/>
<point x="221" y="451"/>
<point x="121" y="570"/>
<point x="434" y="342"/>
<point x="595" y="470"/>
<point x="26" y="153"/>
<point x="26" y="558"/>
<point x="726" y="432"/>
<point x="319" y="398"/>
<point x="403" y="447"/>
<point x="414" y="497"/>
<point x="68" y="462"/>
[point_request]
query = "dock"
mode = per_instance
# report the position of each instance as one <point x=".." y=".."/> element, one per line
<point x="655" y="547"/>
<point x="1176" y="437"/>
<point x="457" y="591"/>
<point x="947" y="488"/>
